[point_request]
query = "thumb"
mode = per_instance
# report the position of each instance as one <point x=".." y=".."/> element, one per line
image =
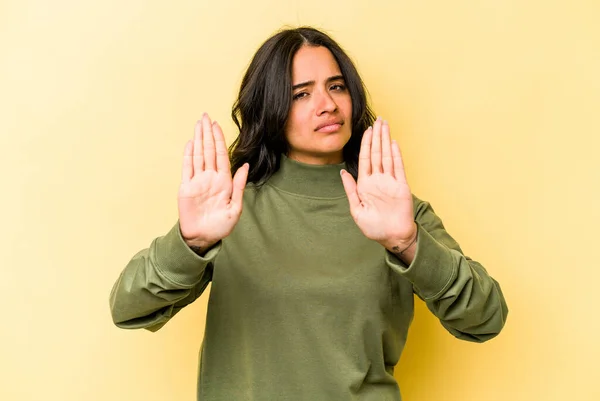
<point x="239" y="183"/>
<point x="350" y="188"/>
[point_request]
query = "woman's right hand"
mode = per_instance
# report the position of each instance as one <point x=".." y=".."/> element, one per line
<point x="209" y="200"/>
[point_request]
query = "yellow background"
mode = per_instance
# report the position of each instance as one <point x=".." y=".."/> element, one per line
<point x="495" y="104"/>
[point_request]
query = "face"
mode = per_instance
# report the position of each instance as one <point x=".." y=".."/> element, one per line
<point x="320" y="119"/>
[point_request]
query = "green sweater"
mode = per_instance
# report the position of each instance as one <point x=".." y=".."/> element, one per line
<point x="302" y="305"/>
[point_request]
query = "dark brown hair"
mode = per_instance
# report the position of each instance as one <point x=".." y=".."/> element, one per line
<point x="264" y="101"/>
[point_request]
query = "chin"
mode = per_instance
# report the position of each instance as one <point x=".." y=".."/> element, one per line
<point x="333" y="152"/>
<point x="338" y="141"/>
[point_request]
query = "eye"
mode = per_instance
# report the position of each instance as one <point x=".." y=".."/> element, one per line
<point x="299" y="95"/>
<point x="338" y="87"/>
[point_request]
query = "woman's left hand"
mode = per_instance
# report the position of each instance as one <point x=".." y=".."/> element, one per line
<point x="381" y="203"/>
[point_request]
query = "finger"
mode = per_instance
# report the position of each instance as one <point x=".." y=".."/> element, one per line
<point x="376" y="148"/>
<point x="187" y="172"/>
<point x="351" y="192"/>
<point x="198" y="156"/>
<point x="239" y="183"/>
<point x="398" y="164"/>
<point x="221" y="149"/>
<point x="209" y="143"/>
<point x="386" y="150"/>
<point x="364" y="157"/>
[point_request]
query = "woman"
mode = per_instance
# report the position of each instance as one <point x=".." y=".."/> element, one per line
<point x="312" y="274"/>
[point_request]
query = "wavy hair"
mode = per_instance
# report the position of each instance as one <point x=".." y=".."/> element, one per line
<point x="264" y="101"/>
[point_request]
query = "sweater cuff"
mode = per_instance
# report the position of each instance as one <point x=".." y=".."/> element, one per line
<point x="432" y="270"/>
<point x="177" y="262"/>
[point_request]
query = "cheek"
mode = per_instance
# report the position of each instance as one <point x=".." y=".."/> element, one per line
<point x="348" y="106"/>
<point x="347" y="111"/>
<point x="297" y="124"/>
<point x="292" y="127"/>
<point x="344" y="103"/>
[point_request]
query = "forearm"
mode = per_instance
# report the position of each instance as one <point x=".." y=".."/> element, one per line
<point x="457" y="289"/>
<point x="159" y="281"/>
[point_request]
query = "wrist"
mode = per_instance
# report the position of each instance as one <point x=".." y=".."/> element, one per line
<point x="199" y="244"/>
<point x="402" y="244"/>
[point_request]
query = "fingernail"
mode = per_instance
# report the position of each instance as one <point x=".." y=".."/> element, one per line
<point x="378" y="118"/>
<point x="342" y="173"/>
<point x="385" y="122"/>
<point x="204" y="114"/>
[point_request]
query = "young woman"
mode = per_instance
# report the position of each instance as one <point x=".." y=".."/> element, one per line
<point x="314" y="247"/>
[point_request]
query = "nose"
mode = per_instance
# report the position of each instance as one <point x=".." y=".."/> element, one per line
<point x="325" y="103"/>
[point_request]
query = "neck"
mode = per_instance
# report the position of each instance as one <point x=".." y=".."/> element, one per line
<point x="335" y="158"/>
<point x="316" y="180"/>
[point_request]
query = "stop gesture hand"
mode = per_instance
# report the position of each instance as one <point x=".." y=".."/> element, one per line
<point x="381" y="201"/>
<point x="210" y="200"/>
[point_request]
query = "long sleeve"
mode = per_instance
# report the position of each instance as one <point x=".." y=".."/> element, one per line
<point x="159" y="281"/>
<point x="458" y="290"/>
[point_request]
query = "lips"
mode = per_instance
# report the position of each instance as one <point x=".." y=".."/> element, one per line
<point x="331" y="124"/>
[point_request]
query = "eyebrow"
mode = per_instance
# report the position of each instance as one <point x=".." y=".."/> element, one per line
<point x="308" y="83"/>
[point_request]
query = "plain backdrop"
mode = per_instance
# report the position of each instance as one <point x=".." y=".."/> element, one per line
<point x="495" y="105"/>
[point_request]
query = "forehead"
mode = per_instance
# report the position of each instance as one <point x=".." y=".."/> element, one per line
<point x="312" y="63"/>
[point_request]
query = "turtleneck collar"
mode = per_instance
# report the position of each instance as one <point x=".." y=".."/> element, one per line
<point x="315" y="180"/>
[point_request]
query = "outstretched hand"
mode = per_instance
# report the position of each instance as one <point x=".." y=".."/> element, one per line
<point x="209" y="200"/>
<point x="381" y="202"/>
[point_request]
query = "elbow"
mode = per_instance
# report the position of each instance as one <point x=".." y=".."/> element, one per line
<point x="121" y="313"/>
<point x="481" y="330"/>
<point x="499" y="322"/>
<point x="151" y="322"/>
<point x="124" y="316"/>
<point x="118" y="316"/>
<point x="474" y="318"/>
<point x="495" y="324"/>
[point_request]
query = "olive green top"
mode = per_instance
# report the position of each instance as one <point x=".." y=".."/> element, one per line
<point x="302" y="305"/>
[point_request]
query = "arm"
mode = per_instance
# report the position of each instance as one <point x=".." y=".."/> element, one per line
<point x="457" y="289"/>
<point x="159" y="281"/>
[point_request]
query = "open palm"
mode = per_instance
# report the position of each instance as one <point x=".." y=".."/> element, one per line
<point x="209" y="200"/>
<point x="381" y="202"/>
